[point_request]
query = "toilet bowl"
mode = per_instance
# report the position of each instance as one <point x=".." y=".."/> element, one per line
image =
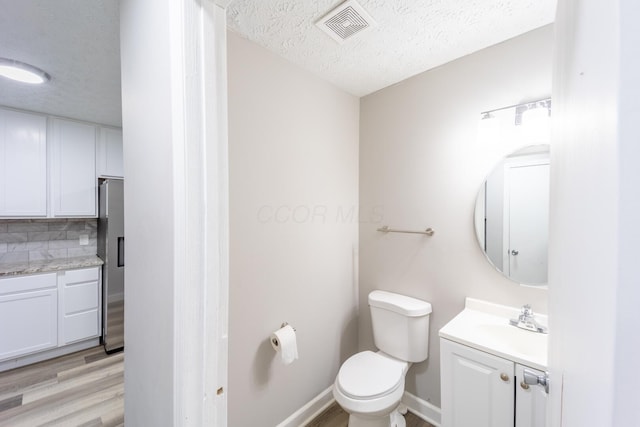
<point x="370" y="385"/>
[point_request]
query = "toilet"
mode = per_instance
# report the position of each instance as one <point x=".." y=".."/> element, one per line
<point x="370" y="384"/>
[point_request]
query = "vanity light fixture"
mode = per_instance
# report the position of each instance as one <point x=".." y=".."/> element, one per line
<point x="22" y="72"/>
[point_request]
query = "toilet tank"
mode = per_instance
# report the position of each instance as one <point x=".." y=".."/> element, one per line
<point x="400" y="325"/>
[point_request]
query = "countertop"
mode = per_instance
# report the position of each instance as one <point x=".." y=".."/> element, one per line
<point x="485" y="326"/>
<point x="45" y="266"/>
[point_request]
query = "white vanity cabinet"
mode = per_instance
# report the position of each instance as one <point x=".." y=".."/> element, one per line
<point x="23" y="156"/>
<point x="477" y="387"/>
<point x="28" y="314"/>
<point x="531" y="400"/>
<point x="482" y="362"/>
<point x="483" y="390"/>
<point x="109" y="160"/>
<point x="73" y="169"/>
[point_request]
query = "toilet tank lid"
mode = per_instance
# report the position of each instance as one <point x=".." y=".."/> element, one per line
<point x="401" y="304"/>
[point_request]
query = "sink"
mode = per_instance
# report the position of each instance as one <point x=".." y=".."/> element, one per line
<point x="485" y="326"/>
<point x="518" y="340"/>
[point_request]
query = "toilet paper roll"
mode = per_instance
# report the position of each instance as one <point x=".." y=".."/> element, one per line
<point x="283" y="342"/>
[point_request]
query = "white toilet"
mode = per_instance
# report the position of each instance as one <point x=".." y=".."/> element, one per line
<point x="369" y="385"/>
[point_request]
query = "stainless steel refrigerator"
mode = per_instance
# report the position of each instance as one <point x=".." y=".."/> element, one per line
<point x="111" y="250"/>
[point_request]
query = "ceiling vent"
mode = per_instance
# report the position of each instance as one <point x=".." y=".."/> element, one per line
<point x="345" y="21"/>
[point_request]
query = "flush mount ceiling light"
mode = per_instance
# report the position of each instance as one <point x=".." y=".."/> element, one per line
<point x="22" y="72"/>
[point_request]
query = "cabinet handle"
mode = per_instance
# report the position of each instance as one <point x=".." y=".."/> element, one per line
<point x="531" y="377"/>
<point x="504" y="377"/>
<point x="524" y="385"/>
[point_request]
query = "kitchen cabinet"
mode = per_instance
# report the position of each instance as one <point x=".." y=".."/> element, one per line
<point x="483" y="390"/>
<point x="50" y="169"/>
<point x="73" y="171"/>
<point x="80" y="305"/>
<point x="28" y="314"/>
<point x="109" y="157"/>
<point x="49" y="313"/>
<point x="23" y="160"/>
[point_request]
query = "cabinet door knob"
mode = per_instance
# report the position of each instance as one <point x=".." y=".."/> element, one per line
<point x="504" y="377"/>
<point x="524" y="385"/>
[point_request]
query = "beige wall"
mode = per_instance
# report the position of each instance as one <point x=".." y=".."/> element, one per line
<point x="421" y="166"/>
<point x="293" y="160"/>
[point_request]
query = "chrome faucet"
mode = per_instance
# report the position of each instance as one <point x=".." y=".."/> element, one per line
<point x="527" y="321"/>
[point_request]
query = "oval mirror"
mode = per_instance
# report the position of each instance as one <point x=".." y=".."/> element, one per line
<point x="512" y="215"/>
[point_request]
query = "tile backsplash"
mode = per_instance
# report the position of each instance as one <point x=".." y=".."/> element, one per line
<point x="23" y="240"/>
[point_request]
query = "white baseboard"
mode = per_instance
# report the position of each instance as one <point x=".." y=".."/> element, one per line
<point x="422" y="409"/>
<point x="309" y="411"/>
<point x="47" y="354"/>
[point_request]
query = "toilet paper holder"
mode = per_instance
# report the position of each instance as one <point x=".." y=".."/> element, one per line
<point x="274" y="341"/>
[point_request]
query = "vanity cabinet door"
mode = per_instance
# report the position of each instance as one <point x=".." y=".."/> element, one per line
<point x="531" y="401"/>
<point x="477" y="388"/>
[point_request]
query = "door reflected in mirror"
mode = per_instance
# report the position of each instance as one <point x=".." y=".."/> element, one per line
<point x="512" y="215"/>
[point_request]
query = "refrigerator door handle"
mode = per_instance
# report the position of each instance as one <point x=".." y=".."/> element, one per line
<point x="121" y="251"/>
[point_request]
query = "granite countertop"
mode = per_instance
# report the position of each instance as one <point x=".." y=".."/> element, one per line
<point x="45" y="266"/>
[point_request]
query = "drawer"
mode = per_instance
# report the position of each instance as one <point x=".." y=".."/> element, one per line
<point x="10" y="285"/>
<point x="80" y="326"/>
<point x="84" y="275"/>
<point x="80" y="297"/>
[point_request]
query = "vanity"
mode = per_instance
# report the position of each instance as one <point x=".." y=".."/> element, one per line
<point x="493" y="357"/>
<point x="484" y="360"/>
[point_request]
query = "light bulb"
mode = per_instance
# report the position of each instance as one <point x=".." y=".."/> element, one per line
<point x="19" y="71"/>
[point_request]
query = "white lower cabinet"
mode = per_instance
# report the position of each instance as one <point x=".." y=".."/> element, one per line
<point x="531" y="400"/>
<point x="483" y="390"/>
<point x="80" y="303"/>
<point x="41" y="312"/>
<point x="28" y="314"/>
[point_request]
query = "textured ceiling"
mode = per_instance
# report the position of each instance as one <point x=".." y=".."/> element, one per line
<point x="411" y="36"/>
<point x="75" y="41"/>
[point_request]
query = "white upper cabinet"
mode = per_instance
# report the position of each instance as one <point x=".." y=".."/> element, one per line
<point x="23" y="164"/>
<point x="73" y="169"/>
<point x="109" y="160"/>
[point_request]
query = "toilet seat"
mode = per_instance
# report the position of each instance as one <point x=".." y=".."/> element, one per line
<point x="368" y="375"/>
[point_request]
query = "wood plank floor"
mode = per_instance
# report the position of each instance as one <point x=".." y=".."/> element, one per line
<point x="81" y="389"/>
<point x="87" y="389"/>
<point x="334" y="416"/>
